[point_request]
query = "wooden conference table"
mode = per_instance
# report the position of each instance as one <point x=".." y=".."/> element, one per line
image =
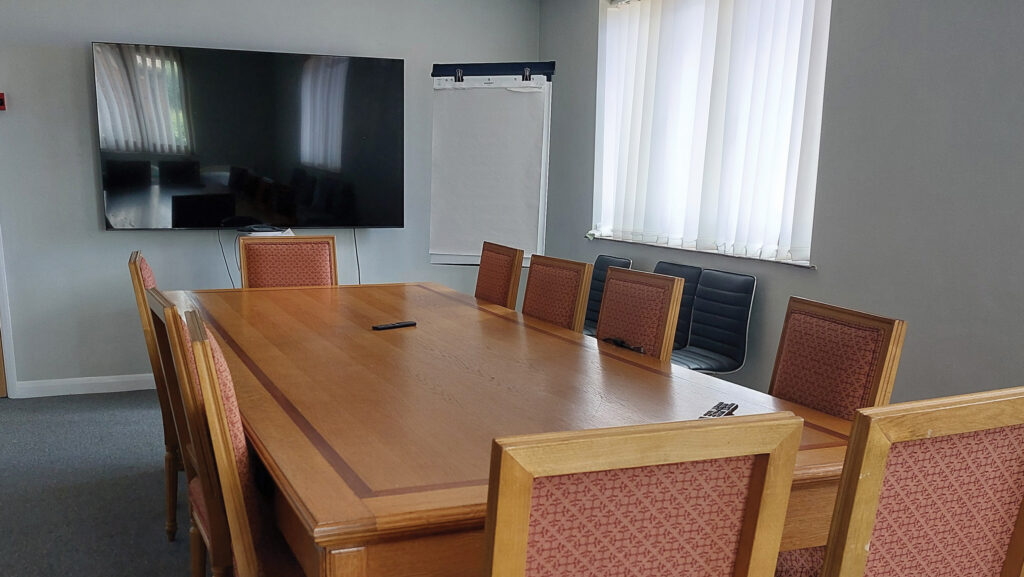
<point x="379" y="442"/>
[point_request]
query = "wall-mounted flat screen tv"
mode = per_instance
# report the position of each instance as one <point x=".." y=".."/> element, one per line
<point x="202" y="138"/>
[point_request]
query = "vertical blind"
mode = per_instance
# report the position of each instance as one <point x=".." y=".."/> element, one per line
<point x="709" y="116"/>
<point x="140" y="99"/>
<point x="323" y="111"/>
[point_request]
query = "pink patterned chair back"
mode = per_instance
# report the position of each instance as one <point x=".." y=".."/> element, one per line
<point x="301" y="261"/>
<point x="677" y="519"/>
<point x="148" y="279"/>
<point x="836" y="360"/>
<point x="932" y="488"/>
<point x="949" y="505"/>
<point x="641" y="309"/>
<point x="693" y="498"/>
<point x="556" y="291"/>
<point x="498" y="278"/>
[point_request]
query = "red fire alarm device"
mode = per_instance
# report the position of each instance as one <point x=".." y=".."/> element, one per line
<point x="3" y="102"/>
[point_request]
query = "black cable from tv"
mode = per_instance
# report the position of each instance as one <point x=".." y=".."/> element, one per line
<point x="355" y="244"/>
<point x="225" y="256"/>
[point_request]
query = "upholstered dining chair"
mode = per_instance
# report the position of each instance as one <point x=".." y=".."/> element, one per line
<point x="691" y="280"/>
<point x="556" y="291"/>
<point x="719" y="324"/>
<point x="208" y="531"/>
<point x="498" y="279"/>
<point x="601" y="265"/>
<point x="257" y="548"/>
<point x="933" y="488"/>
<point x="288" y="261"/>
<point x="143" y="279"/>
<point x="640" y="310"/>
<point x="835" y="360"/>
<point x="704" y="497"/>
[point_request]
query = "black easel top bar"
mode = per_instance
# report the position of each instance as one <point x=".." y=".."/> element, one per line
<point x="524" y="69"/>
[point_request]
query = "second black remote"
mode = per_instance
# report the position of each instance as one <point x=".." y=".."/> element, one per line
<point x="397" y="325"/>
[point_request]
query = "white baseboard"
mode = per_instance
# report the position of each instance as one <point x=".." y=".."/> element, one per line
<point x="81" y="386"/>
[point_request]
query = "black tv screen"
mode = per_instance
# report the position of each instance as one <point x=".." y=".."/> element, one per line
<point x="203" y="138"/>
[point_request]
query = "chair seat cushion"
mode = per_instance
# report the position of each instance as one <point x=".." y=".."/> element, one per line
<point x="801" y="562"/>
<point x="699" y="359"/>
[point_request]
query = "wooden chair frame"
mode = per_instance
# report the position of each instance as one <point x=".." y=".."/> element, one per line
<point x="517" y="461"/>
<point x="242" y="543"/>
<point x="251" y="240"/>
<point x="584" y="269"/>
<point x="516" y="255"/>
<point x="874" y="432"/>
<point x="197" y="452"/>
<point x="172" y="451"/>
<point x="675" y="287"/>
<point x="893" y="332"/>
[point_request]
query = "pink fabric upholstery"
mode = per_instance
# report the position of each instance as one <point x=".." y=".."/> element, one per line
<point x="636" y="313"/>
<point x="190" y="360"/>
<point x="289" y="264"/>
<point x="801" y="562"/>
<point x="494" y="278"/>
<point x="948" y="505"/>
<point x="148" y="279"/>
<point x="827" y="364"/>
<point x="253" y="502"/>
<point x="551" y="293"/>
<point x="681" y="519"/>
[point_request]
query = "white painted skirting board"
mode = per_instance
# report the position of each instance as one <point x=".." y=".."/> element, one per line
<point x="81" y="386"/>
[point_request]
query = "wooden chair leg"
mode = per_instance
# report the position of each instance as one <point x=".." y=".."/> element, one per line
<point x="197" y="551"/>
<point x="171" y="480"/>
<point x="222" y="571"/>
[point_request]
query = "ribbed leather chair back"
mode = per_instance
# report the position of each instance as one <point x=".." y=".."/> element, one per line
<point x="721" y="313"/>
<point x="690" y="276"/>
<point x="597" y="286"/>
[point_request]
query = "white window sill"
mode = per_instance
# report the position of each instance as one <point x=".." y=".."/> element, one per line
<point x="806" y="265"/>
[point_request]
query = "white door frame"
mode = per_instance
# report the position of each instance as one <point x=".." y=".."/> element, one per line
<point x="7" y="332"/>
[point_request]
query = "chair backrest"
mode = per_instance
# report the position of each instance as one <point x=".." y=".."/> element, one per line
<point x="836" y="360"/>
<point x="556" y="291"/>
<point x="230" y="451"/>
<point x="186" y="400"/>
<point x="721" y="313"/>
<point x="497" y="281"/>
<point x="708" y="496"/>
<point x="601" y="265"/>
<point x="142" y="280"/>
<point x="691" y="276"/>
<point x="640" y="309"/>
<point x="288" y="261"/>
<point x="935" y="488"/>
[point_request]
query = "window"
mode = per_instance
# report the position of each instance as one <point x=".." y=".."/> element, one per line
<point x="709" y="115"/>
<point x="140" y="99"/>
<point x="323" y="111"/>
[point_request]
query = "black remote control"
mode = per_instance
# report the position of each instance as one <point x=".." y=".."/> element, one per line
<point x="397" y="325"/>
<point x="720" y="410"/>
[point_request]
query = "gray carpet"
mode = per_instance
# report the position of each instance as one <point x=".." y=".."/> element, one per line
<point x="82" y="488"/>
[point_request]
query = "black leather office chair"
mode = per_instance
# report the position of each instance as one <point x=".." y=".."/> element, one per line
<point x="691" y="277"/>
<point x="597" y="288"/>
<point x="718" y="329"/>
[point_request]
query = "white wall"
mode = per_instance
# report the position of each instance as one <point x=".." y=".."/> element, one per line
<point x="920" y="200"/>
<point x="72" y="307"/>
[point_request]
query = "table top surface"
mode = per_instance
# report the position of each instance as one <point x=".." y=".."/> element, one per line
<point x="373" y="434"/>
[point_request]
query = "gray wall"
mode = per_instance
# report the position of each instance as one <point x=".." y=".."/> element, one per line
<point x="72" y="306"/>
<point x="919" y="202"/>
